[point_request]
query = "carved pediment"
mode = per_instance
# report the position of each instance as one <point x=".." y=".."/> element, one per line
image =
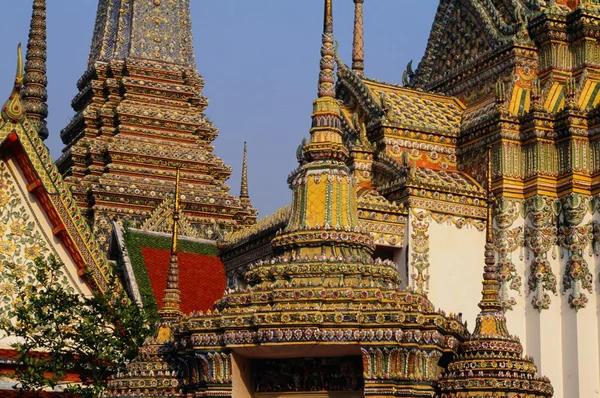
<point x="465" y="31"/>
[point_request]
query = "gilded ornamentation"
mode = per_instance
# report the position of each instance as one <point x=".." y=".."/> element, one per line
<point x="400" y="363"/>
<point x="459" y="222"/>
<point x="420" y="251"/>
<point x="161" y="221"/>
<point x="573" y="237"/>
<point x="358" y="44"/>
<point x="540" y="236"/>
<point x="507" y="240"/>
<point x="161" y="31"/>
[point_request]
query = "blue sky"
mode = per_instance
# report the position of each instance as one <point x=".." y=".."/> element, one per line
<point x="260" y="62"/>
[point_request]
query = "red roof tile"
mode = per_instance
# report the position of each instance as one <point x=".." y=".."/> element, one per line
<point x="201" y="278"/>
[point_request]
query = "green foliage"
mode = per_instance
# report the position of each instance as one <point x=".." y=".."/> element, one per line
<point x="61" y="332"/>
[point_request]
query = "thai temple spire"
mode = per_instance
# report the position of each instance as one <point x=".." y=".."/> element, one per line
<point x="244" y="184"/>
<point x="358" y="45"/>
<point x="140" y="110"/>
<point x="171" y="299"/>
<point x="244" y="195"/>
<point x="12" y="110"/>
<point x="324" y="192"/>
<point x="326" y="134"/>
<point x="35" y="93"/>
<point x="490" y="301"/>
<point x="158" y="30"/>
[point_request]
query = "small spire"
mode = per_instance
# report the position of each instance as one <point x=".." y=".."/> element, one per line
<point x="176" y="211"/>
<point x="358" y="45"/>
<point x="171" y="299"/>
<point x="326" y="132"/>
<point x="35" y="93"/>
<point x="326" y="75"/>
<point x="244" y="185"/>
<point x="13" y="108"/>
<point x="490" y="301"/>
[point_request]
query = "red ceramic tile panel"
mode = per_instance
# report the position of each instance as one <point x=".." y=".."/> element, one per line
<point x="201" y="278"/>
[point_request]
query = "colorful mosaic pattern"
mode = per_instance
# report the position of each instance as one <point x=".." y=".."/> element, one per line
<point x="21" y="242"/>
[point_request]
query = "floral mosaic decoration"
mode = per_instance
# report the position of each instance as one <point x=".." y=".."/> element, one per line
<point x="21" y="242"/>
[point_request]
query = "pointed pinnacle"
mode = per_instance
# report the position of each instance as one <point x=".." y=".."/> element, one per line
<point x="35" y="93"/>
<point x="244" y="184"/>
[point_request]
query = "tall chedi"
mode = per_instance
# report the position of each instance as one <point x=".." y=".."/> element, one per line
<point x="140" y="111"/>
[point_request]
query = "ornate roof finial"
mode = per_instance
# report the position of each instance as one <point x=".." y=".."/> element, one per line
<point x="324" y="157"/>
<point x="358" y="45"/>
<point x="19" y="73"/>
<point x="244" y="195"/>
<point x="244" y="184"/>
<point x="326" y="134"/>
<point x="326" y="74"/>
<point x="13" y="108"/>
<point x="171" y="299"/>
<point x="35" y="94"/>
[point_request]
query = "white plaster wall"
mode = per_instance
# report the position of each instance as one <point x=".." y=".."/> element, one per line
<point x="456" y="267"/>
<point x="564" y="343"/>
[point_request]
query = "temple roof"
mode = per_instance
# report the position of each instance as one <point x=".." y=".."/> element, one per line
<point x="19" y="138"/>
<point x="146" y="256"/>
<point x="276" y="220"/>
<point x="451" y="181"/>
<point x="418" y="110"/>
<point x="467" y="30"/>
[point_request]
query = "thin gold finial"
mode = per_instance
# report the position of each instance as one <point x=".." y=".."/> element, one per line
<point x="327" y="65"/>
<point x="490" y="199"/>
<point x="176" y="212"/>
<point x="244" y="183"/>
<point x="19" y="76"/>
<point x="328" y="20"/>
<point x="172" y="300"/>
<point x="13" y="108"/>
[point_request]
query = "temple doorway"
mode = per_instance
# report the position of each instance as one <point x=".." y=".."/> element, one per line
<point x="326" y="394"/>
<point x="308" y="377"/>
